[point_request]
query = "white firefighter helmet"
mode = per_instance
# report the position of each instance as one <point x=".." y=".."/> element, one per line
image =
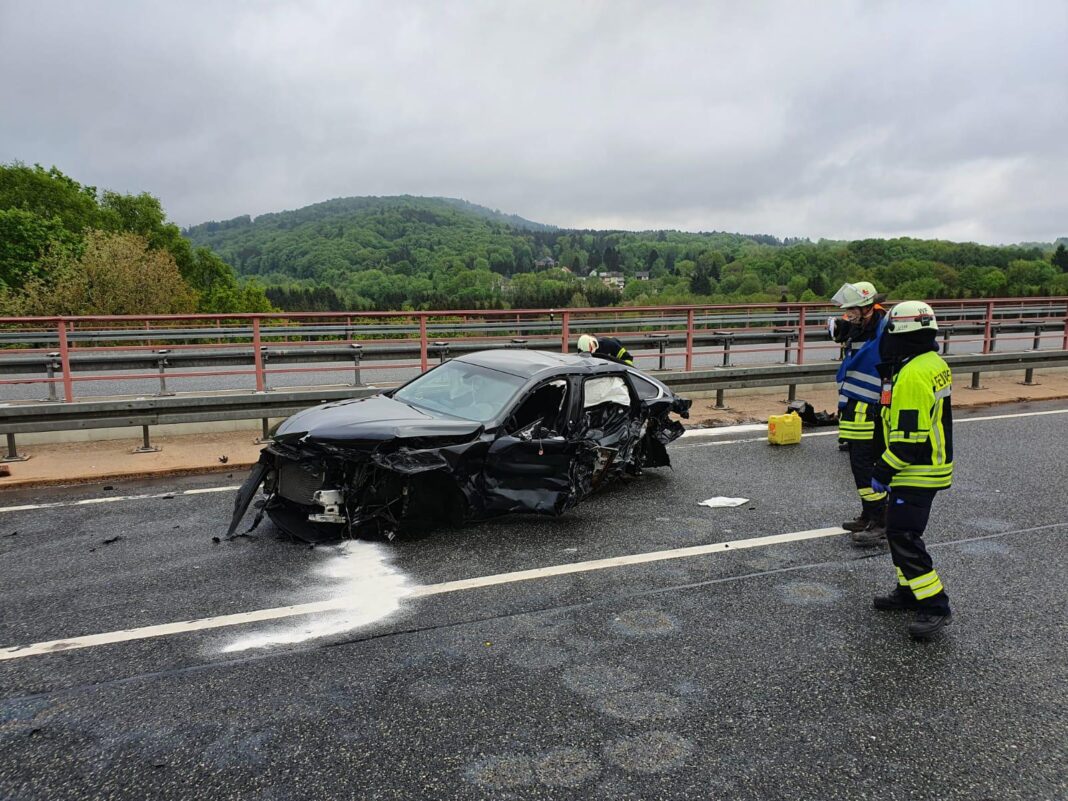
<point x="911" y="315"/>
<point x="851" y="296"/>
<point x="587" y="343"/>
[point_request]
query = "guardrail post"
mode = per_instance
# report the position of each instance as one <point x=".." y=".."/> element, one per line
<point x="788" y="346"/>
<point x="423" y="362"/>
<point x="727" y="337"/>
<point x="50" y="372"/>
<point x="975" y="381"/>
<point x="64" y="357"/>
<point x="265" y="427"/>
<point x="162" y="360"/>
<point x="257" y="355"/>
<point x="800" y="337"/>
<point x="994" y="329"/>
<point x="1029" y="373"/>
<point x="146" y="446"/>
<point x="565" y="330"/>
<point x="987" y="327"/>
<point x="945" y="340"/>
<point x="265" y="356"/>
<point x="443" y="351"/>
<point x="661" y="342"/>
<point x="357" y="352"/>
<point x="689" y="340"/>
<point x="12" y="452"/>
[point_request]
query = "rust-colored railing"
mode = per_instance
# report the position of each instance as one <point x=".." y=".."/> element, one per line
<point x="411" y="339"/>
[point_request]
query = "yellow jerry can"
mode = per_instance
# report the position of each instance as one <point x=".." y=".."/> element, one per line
<point x="784" y="429"/>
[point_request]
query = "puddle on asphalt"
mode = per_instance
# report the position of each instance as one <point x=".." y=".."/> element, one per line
<point x="360" y="577"/>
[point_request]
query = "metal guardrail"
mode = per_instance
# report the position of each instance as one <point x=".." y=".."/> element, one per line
<point x="161" y="360"/>
<point x="259" y="346"/>
<point x="146" y="412"/>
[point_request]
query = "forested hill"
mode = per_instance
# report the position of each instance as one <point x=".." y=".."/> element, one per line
<point x="440" y="253"/>
<point x="387" y="252"/>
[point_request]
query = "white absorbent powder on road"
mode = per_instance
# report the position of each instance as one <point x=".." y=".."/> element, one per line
<point x="360" y="577"/>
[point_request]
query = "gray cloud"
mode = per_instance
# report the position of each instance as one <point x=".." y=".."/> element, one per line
<point x="835" y="119"/>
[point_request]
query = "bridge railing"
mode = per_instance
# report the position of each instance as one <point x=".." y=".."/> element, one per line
<point x="62" y="354"/>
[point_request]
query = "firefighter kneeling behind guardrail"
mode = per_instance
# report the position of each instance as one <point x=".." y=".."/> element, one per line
<point x="917" y="424"/>
<point x="858" y="400"/>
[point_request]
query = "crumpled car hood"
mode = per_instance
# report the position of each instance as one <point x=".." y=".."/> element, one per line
<point x="371" y="420"/>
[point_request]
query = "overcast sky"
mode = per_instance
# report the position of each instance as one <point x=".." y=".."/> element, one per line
<point x="820" y="119"/>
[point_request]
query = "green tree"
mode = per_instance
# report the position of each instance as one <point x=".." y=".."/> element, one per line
<point x="25" y="239"/>
<point x="114" y="274"/>
<point x="1059" y="259"/>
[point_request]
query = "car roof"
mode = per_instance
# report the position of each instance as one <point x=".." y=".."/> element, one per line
<point x="530" y="363"/>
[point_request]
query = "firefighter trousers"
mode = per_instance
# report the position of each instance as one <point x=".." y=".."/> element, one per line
<point x="906" y="519"/>
<point x="859" y="425"/>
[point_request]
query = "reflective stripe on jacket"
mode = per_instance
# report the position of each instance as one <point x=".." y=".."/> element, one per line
<point x="918" y="426"/>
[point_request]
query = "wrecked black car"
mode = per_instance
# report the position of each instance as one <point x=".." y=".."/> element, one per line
<point x="481" y="435"/>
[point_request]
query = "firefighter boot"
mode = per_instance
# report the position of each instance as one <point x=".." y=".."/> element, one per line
<point x="874" y="534"/>
<point x="900" y="600"/>
<point x="858" y="523"/>
<point x="928" y="622"/>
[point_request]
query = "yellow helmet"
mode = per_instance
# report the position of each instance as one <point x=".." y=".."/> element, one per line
<point x="911" y="315"/>
<point x="851" y="296"/>
<point x="587" y="343"/>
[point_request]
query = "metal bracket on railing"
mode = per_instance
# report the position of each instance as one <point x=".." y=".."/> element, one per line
<point x="50" y="369"/>
<point x="519" y="342"/>
<point x="146" y="446"/>
<point x="162" y="361"/>
<point x="357" y="354"/>
<point x="13" y="454"/>
<point x="443" y="351"/>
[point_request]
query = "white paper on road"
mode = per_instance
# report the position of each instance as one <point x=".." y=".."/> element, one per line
<point x="720" y="502"/>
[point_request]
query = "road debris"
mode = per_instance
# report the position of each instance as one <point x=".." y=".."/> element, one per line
<point x="721" y="502"/>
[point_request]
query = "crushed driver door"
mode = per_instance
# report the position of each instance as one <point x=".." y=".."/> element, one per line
<point x="532" y="465"/>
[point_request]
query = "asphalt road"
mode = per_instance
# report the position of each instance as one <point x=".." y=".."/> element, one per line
<point x="742" y="673"/>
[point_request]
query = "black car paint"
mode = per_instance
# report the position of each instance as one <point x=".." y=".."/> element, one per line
<point x="385" y="451"/>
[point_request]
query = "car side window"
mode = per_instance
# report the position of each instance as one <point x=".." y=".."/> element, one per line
<point x="645" y="389"/>
<point x="544" y="406"/>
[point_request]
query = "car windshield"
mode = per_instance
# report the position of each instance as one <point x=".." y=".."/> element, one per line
<point x="462" y="390"/>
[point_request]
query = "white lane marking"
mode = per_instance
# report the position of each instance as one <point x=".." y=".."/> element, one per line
<point x="336" y="604"/>
<point x="696" y="433"/>
<point x="115" y="498"/>
<point x="719" y="431"/>
<point x="1007" y="416"/>
<point x="834" y="431"/>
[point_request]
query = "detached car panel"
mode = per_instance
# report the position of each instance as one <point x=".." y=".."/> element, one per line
<point x="486" y="434"/>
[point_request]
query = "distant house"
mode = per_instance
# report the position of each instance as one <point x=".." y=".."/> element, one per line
<point x="642" y="276"/>
<point x="545" y="263"/>
<point x="613" y="279"/>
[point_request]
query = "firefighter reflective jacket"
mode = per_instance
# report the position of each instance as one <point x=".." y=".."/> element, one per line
<point x="858" y="374"/>
<point x="613" y="349"/>
<point x="918" y="426"/>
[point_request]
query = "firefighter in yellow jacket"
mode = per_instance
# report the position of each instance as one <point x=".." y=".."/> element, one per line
<point x="917" y="420"/>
